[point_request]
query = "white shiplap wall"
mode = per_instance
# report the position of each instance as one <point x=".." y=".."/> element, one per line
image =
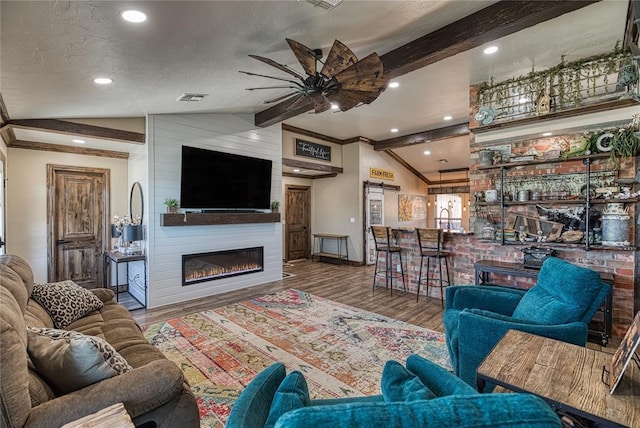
<point x="226" y="133"/>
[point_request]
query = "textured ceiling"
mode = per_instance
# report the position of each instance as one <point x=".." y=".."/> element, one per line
<point x="50" y="51"/>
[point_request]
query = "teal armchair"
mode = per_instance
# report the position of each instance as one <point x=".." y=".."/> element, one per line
<point x="558" y="306"/>
<point x="421" y="394"/>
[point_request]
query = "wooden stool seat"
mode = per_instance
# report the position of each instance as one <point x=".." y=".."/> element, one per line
<point x="383" y="243"/>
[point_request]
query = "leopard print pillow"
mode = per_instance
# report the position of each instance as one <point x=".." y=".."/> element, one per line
<point x="65" y="301"/>
<point x="70" y="360"/>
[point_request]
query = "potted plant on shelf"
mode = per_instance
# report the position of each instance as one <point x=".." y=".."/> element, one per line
<point x="172" y="205"/>
<point x="621" y="142"/>
<point x="275" y="206"/>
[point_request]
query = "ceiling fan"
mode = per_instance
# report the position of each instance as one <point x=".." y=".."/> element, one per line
<point x="343" y="81"/>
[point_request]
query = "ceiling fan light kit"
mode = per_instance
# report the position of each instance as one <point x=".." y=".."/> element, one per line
<point x="342" y="84"/>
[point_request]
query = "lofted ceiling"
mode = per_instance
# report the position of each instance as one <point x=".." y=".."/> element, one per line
<point x="50" y="51"/>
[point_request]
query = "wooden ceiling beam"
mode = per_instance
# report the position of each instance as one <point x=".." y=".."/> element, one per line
<point x="311" y="165"/>
<point x="405" y="164"/>
<point x="491" y="23"/>
<point x="309" y="177"/>
<point x="73" y="128"/>
<point x="311" y="134"/>
<point x="452" y="131"/>
<point x="32" y="145"/>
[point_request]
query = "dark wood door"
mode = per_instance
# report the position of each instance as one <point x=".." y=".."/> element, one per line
<point x="78" y="206"/>
<point x="298" y="219"/>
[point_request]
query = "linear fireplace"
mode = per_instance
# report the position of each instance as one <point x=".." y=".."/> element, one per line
<point x="221" y="264"/>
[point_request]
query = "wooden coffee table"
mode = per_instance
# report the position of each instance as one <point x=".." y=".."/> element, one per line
<point x="567" y="376"/>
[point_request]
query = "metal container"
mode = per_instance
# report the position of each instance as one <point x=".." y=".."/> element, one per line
<point x="523" y="195"/>
<point x="615" y="225"/>
<point x="485" y="157"/>
<point x="491" y="195"/>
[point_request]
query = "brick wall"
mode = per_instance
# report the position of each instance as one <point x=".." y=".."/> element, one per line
<point x="621" y="263"/>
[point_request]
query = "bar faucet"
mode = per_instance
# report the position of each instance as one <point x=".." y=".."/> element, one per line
<point x="448" y="217"/>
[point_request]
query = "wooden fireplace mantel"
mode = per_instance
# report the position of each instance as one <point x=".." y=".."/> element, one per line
<point x="201" y="219"/>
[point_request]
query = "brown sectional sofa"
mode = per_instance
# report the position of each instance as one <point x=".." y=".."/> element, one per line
<point x="154" y="392"/>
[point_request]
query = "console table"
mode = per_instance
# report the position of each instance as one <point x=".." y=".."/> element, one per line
<point x="318" y="242"/>
<point x="567" y="376"/>
<point x="485" y="267"/>
<point x="114" y="258"/>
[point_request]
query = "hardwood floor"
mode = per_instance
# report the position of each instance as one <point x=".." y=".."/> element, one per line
<point x="350" y="285"/>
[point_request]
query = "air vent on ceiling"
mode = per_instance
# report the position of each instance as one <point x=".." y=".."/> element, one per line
<point x="325" y="4"/>
<point x="191" y="97"/>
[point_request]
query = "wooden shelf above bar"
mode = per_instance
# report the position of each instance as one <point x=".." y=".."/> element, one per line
<point x="590" y="108"/>
<point x="201" y="219"/>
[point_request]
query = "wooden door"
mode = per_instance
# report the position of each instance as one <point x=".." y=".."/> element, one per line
<point x="298" y="219"/>
<point x="78" y="206"/>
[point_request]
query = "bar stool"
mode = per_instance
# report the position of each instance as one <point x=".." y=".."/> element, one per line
<point x="383" y="244"/>
<point x="431" y="242"/>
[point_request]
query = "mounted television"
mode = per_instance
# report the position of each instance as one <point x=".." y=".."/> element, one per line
<point x="212" y="180"/>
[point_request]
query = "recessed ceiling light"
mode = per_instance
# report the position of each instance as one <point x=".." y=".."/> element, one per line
<point x="334" y="106"/>
<point x="394" y="130"/>
<point x="447" y="118"/>
<point x="296" y="170"/>
<point x="491" y="50"/>
<point x="427" y="152"/>
<point x="393" y="84"/>
<point x="134" y="16"/>
<point x="79" y="141"/>
<point x="103" y="80"/>
<point x="547" y="134"/>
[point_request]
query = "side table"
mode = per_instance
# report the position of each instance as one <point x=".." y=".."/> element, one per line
<point x="319" y="239"/>
<point x="115" y="258"/>
<point x="567" y="376"/>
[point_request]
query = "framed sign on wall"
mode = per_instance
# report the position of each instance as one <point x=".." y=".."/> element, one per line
<point x="313" y="150"/>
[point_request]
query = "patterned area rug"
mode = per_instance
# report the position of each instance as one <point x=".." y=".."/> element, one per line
<point x="340" y="349"/>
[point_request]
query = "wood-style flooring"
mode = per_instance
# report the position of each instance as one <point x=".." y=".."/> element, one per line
<point x="350" y="285"/>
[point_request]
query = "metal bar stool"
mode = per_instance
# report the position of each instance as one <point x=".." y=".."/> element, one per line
<point x="383" y="244"/>
<point x="431" y="242"/>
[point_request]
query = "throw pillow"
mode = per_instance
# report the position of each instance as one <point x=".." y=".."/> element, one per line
<point x="562" y="294"/>
<point x="65" y="301"/>
<point x="399" y="384"/>
<point x="292" y="394"/>
<point x="71" y="360"/>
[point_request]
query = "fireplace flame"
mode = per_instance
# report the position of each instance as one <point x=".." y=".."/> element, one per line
<point x="213" y="271"/>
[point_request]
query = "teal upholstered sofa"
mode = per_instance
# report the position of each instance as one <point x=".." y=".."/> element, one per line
<point x="421" y="394"/>
<point x="558" y="306"/>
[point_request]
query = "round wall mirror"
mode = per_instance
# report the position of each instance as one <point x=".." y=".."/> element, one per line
<point x="136" y="204"/>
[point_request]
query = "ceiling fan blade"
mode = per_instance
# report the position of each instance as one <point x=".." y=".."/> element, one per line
<point x="344" y="100"/>
<point x="340" y="57"/>
<point x="306" y="57"/>
<point x="365" y="97"/>
<point x="292" y="103"/>
<point x="272" y="87"/>
<point x="365" y="75"/>
<point x="278" y="66"/>
<point x="321" y="104"/>
<point x="282" y="97"/>
<point x="269" y="77"/>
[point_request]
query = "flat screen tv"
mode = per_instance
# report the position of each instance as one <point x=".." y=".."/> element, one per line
<point x="212" y="180"/>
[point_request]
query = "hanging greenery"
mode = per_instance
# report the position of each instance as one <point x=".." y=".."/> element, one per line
<point x="620" y="143"/>
<point x="567" y="84"/>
